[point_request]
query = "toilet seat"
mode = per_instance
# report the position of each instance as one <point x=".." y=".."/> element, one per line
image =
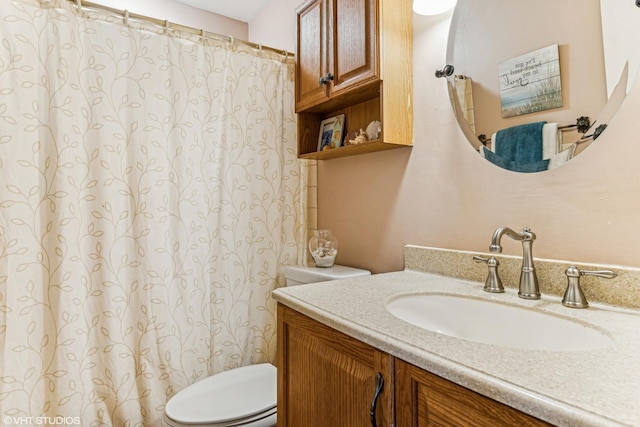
<point x="235" y="397"/>
<point x="267" y="419"/>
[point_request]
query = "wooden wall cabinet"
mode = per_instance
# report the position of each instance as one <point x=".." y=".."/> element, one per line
<point x="336" y="49"/>
<point x="327" y="379"/>
<point x="354" y="57"/>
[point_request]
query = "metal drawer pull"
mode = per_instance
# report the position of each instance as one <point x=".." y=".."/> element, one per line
<point x="376" y="394"/>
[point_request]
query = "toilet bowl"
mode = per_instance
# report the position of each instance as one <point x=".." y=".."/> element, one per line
<point x="243" y="396"/>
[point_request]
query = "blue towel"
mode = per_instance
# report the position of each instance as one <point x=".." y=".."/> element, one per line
<point x="520" y="144"/>
<point x="541" y="165"/>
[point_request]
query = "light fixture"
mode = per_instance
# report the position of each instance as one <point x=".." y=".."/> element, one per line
<point x="432" y="7"/>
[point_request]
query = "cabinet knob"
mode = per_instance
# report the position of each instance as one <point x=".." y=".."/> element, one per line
<point x="326" y="79"/>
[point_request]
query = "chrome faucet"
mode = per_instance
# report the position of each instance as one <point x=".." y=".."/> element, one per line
<point x="528" y="288"/>
<point x="573" y="296"/>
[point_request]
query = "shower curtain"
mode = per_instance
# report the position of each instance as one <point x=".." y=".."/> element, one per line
<point x="149" y="196"/>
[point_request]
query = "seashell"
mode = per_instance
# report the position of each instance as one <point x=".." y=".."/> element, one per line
<point x="373" y="130"/>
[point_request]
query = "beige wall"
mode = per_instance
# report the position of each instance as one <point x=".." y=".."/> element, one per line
<point x="275" y="26"/>
<point x="182" y="14"/>
<point x="620" y="35"/>
<point x="440" y="193"/>
<point x="476" y="53"/>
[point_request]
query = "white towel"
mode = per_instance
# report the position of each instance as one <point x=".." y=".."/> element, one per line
<point x="493" y="142"/>
<point x="562" y="157"/>
<point x="464" y="90"/>
<point x="551" y="140"/>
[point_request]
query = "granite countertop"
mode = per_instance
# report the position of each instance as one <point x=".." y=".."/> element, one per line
<point x="588" y="388"/>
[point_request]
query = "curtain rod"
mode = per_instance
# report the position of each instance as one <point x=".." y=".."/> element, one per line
<point x="126" y="15"/>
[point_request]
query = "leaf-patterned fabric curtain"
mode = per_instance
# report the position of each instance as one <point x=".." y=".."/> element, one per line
<point x="149" y="197"/>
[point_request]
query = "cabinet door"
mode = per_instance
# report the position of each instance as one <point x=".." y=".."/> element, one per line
<point x="354" y="42"/>
<point x="328" y="379"/>
<point x="311" y="54"/>
<point x="424" y="399"/>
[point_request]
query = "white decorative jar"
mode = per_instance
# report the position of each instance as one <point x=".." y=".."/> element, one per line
<point x="324" y="248"/>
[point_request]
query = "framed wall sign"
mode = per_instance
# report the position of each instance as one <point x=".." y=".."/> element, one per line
<point x="530" y="82"/>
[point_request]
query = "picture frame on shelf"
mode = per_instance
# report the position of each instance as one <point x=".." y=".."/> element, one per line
<point x="331" y="133"/>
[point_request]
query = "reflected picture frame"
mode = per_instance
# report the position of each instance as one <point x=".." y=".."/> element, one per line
<point x="331" y="133"/>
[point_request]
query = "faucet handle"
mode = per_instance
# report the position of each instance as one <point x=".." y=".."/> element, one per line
<point x="493" y="282"/>
<point x="573" y="296"/>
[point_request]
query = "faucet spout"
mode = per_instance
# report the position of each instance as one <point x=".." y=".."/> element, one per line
<point x="528" y="288"/>
<point x="497" y="236"/>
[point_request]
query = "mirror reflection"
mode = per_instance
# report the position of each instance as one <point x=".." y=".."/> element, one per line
<point x="534" y="85"/>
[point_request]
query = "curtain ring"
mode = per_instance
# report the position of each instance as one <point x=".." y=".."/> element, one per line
<point x="79" y="4"/>
<point x="259" y="47"/>
<point x="126" y="17"/>
<point x="166" y="26"/>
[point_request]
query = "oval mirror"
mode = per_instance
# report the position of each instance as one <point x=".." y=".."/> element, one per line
<point x="534" y="84"/>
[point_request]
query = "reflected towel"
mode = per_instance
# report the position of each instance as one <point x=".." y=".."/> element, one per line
<point x="563" y="156"/>
<point x="551" y="140"/>
<point x="520" y="144"/>
<point x="538" y="166"/>
<point x="464" y="90"/>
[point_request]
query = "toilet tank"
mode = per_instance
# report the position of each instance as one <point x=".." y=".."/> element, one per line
<point x="298" y="275"/>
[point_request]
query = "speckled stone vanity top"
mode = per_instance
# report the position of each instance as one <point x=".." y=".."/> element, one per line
<point x="579" y="388"/>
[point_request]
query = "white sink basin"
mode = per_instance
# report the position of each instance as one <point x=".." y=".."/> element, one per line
<point x="490" y="322"/>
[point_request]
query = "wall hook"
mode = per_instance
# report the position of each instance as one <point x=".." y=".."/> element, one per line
<point x="447" y="70"/>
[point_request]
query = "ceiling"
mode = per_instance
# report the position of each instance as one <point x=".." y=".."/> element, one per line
<point x="242" y="10"/>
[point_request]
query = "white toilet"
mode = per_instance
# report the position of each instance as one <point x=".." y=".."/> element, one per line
<point x="244" y="396"/>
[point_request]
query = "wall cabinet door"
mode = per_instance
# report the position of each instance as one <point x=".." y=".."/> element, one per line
<point x="328" y="379"/>
<point x="354" y="44"/>
<point x="336" y="49"/>
<point x="424" y="399"/>
<point x="312" y="57"/>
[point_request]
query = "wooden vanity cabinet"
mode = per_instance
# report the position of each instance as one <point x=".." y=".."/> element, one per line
<point x="328" y="379"/>
<point x="354" y="57"/>
<point x="424" y="399"/>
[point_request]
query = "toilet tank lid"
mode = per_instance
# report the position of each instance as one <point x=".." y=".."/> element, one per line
<point x="227" y="396"/>
<point x="316" y="274"/>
